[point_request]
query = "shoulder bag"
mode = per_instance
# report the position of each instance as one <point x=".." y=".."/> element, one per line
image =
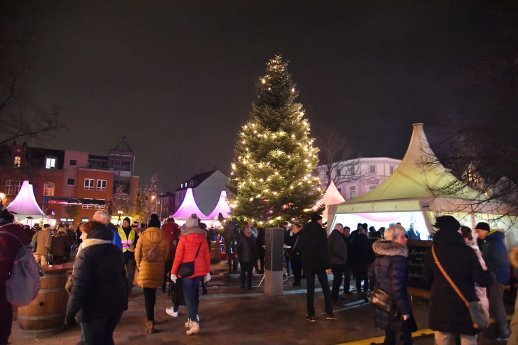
<point x="475" y="309"/>
<point x="186" y="269"/>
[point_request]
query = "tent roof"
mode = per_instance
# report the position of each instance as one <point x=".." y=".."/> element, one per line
<point x="25" y="203"/>
<point x="414" y="179"/>
<point x="331" y="197"/>
<point x="188" y="207"/>
<point x="221" y="207"/>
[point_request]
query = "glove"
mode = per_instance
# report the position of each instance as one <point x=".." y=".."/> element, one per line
<point x="206" y="278"/>
<point x="70" y="320"/>
<point x="173" y="278"/>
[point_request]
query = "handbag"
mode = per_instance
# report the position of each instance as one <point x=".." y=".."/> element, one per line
<point x="382" y="300"/>
<point x="475" y="308"/>
<point x="186" y="269"/>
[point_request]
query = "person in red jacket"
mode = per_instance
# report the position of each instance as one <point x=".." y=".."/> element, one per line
<point x="192" y="247"/>
<point x="172" y="234"/>
<point x="9" y="247"/>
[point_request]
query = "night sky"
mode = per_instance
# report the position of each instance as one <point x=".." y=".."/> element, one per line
<point x="177" y="78"/>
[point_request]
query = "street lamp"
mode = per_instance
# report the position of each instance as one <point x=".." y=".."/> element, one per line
<point x="120" y="215"/>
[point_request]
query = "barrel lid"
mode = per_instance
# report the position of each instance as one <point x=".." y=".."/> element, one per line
<point x="50" y="269"/>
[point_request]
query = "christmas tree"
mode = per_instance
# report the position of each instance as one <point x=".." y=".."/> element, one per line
<point x="274" y="157"/>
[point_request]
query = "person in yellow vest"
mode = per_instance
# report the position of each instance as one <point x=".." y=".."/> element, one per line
<point x="129" y="240"/>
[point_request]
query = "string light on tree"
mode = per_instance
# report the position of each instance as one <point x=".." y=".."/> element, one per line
<point x="274" y="153"/>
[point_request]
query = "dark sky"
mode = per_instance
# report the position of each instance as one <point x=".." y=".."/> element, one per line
<point x="178" y="77"/>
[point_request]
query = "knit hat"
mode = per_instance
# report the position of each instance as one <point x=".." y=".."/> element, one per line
<point x="447" y="223"/>
<point x="192" y="221"/>
<point x="483" y="226"/>
<point x="315" y="217"/>
<point x="126" y="219"/>
<point x="154" y="221"/>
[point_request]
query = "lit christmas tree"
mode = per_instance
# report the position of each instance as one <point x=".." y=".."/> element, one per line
<point x="271" y="179"/>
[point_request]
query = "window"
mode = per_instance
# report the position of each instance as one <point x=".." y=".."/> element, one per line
<point x="50" y="163"/>
<point x="12" y="187"/>
<point x="89" y="183"/>
<point x="372" y="169"/>
<point x="391" y="169"/>
<point x="72" y="162"/>
<point x="71" y="181"/>
<point x="352" y="192"/>
<point x="87" y="206"/>
<point x="101" y="184"/>
<point x="17" y="161"/>
<point x="371" y="187"/>
<point x="48" y="188"/>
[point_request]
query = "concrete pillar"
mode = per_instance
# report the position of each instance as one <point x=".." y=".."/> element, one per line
<point x="273" y="262"/>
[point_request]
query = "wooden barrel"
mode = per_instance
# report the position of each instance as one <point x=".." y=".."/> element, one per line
<point x="46" y="314"/>
<point x="215" y="252"/>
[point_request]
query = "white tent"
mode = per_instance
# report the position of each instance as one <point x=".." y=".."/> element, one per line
<point x="410" y="196"/>
<point x="188" y="207"/>
<point x="221" y="207"/>
<point x="331" y="197"/>
<point x="24" y="205"/>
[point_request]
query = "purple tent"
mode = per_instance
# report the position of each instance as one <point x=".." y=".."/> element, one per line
<point x="188" y="207"/>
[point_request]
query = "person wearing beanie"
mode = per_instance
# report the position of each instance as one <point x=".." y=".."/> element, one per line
<point x="12" y="236"/>
<point x="192" y="248"/>
<point x="494" y="253"/>
<point x="448" y="315"/>
<point x="129" y="240"/>
<point x="312" y="244"/>
<point x="151" y="255"/>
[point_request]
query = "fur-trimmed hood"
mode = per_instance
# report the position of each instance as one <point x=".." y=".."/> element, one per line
<point x="513" y="257"/>
<point x="389" y="248"/>
<point x="189" y="231"/>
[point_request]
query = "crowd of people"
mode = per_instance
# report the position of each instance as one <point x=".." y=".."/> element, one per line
<point x="109" y="259"/>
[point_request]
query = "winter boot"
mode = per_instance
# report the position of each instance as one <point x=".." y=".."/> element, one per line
<point x="195" y="328"/>
<point x="150" y="327"/>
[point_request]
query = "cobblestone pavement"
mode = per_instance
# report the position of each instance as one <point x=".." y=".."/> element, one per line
<point x="230" y="315"/>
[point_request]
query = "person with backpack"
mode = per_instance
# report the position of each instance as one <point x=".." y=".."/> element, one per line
<point x="12" y="238"/>
<point x="151" y="255"/>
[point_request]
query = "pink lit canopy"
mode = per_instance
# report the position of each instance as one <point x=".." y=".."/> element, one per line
<point x="188" y="207"/>
<point x="25" y="203"/>
<point x="221" y="207"/>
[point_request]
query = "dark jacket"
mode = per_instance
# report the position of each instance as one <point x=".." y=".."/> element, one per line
<point x="247" y="249"/>
<point x="337" y="248"/>
<point x="312" y="244"/>
<point x="360" y="252"/>
<point x="100" y="287"/>
<point x="391" y="276"/>
<point x="494" y="253"/>
<point x="60" y="245"/>
<point x="447" y="312"/>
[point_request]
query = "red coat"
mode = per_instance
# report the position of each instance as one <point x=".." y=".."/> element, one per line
<point x="186" y="251"/>
<point x="172" y="233"/>
<point x="9" y="248"/>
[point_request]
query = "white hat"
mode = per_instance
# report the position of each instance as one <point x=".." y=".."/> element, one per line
<point x="192" y="221"/>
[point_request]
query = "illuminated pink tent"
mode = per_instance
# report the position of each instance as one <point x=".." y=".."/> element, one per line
<point x="221" y="207"/>
<point x="188" y="207"/>
<point x="25" y="203"/>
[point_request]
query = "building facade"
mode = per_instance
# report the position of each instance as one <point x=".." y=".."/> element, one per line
<point x="69" y="185"/>
<point x="358" y="176"/>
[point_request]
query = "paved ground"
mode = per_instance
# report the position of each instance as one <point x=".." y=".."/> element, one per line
<point x="230" y="315"/>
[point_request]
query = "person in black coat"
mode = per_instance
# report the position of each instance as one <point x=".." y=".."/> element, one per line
<point x="99" y="293"/>
<point x="312" y="244"/>
<point x="448" y="315"/>
<point x="260" y="243"/>
<point x="337" y="258"/>
<point x="390" y="275"/>
<point x="360" y="258"/>
<point x="247" y="255"/>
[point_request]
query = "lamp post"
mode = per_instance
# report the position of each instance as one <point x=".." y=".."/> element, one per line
<point x="120" y="214"/>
